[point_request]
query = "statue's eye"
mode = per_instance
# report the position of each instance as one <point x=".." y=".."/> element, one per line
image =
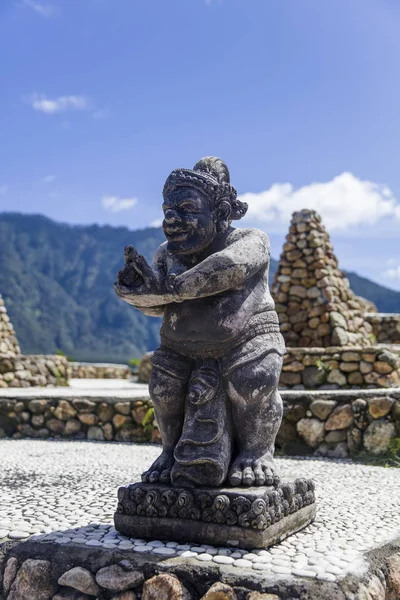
<point x="187" y="206"/>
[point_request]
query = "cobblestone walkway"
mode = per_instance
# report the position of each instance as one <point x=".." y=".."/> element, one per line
<point x="66" y="491"/>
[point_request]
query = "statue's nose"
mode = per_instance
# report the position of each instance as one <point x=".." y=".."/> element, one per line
<point x="170" y="216"/>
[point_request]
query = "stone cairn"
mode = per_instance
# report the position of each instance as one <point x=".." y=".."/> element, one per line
<point x="8" y="339"/>
<point x="313" y="298"/>
<point x="19" y="370"/>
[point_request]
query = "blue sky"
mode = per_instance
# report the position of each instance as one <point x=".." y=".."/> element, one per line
<point x="101" y="99"/>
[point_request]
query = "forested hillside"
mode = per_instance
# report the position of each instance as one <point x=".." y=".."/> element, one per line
<point x="56" y="280"/>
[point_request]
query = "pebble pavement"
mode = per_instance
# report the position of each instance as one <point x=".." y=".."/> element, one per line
<point x="65" y="492"/>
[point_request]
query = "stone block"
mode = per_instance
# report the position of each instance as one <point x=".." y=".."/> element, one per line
<point x="290" y="378"/>
<point x="295" y="412"/>
<point x="164" y="587"/>
<point x="380" y="406"/>
<point x="322" y="408"/>
<point x="350" y="356"/>
<point x="312" y="431"/>
<point x="116" y="579"/>
<point x="340" y="418"/>
<point x="121" y="421"/>
<point x="220" y="591"/>
<point x="349" y="367"/>
<point x="105" y="412"/>
<point x="123" y="408"/>
<point x="312" y="377"/>
<point x="33" y="581"/>
<point x="255" y="517"/>
<point x="393" y="577"/>
<point x="337" y="377"/>
<point x="95" y="434"/>
<point x="88" y="418"/>
<point x="64" y="411"/>
<point x="382" y="368"/>
<point x="378" y="435"/>
<point x="80" y="579"/>
<point x="354" y="439"/>
<point x="355" y="378"/>
<point x="365" y="367"/>
<point x="333" y="437"/>
<point x="9" y="574"/>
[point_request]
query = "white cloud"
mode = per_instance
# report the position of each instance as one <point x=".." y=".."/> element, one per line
<point x="3" y="189"/>
<point x="156" y="223"/>
<point x="393" y="273"/>
<point x="50" y="106"/>
<point x="45" y="10"/>
<point x="343" y="202"/>
<point x="117" y="204"/>
<point x="49" y="178"/>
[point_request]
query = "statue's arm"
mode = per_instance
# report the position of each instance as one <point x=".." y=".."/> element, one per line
<point x="151" y="311"/>
<point x="226" y="269"/>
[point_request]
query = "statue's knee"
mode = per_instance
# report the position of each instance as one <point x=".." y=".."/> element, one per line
<point x="252" y="384"/>
<point x="166" y="390"/>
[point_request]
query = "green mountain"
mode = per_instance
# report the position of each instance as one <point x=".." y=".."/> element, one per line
<point x="56" y="280"/>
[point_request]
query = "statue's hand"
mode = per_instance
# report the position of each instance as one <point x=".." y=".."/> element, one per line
<point x="136" y="278"/>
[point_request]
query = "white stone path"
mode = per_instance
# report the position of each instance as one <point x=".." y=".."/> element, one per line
<point x="66" y="491"/>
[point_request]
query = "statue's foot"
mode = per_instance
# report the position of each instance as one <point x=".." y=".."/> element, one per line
<point x="160" y="470"/>
<point x="253" y="471"/>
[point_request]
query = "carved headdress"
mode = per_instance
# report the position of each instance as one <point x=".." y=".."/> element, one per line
<point x="210" y="176"/>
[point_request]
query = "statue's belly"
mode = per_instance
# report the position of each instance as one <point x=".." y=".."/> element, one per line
<point x="207" y="319"/>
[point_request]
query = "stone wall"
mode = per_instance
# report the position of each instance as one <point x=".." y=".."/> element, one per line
<point x="341" y="367"/>
<point x="341" y="424"/>
<point x="99" y="371"/>
<point x="48" y="572"/>
<point x="78" y="419"/>
<point x="27" y="370"/>
<point x="385" y="327"/>
<point x="326" y="423"/>
<point x="315" y="304"/>
<point x="329" y="368"/>
<point x="8" y="340"/>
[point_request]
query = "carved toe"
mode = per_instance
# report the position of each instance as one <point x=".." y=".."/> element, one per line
<point x="154" y="476"/>
<point x="248" y="476"/>
<point x="259" y="475"/>
<point x="235" y="477"/>
<point x="165" y="476"/>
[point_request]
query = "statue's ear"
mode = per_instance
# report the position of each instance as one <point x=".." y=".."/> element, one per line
<point x="223" y="215"/>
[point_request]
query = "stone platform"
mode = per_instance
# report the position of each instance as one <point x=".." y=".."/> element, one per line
<point x="57" y="501"/>
<point x="239" y="517"/>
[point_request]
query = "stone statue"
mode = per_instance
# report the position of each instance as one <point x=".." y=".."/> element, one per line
<point x="214" y="381"/>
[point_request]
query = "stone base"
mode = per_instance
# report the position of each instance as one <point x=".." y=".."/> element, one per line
<point x="241" y="517"/>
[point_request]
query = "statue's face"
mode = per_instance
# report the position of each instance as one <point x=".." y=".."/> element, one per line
<point x="188" y="221"/>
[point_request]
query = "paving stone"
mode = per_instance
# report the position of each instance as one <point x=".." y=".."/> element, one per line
<point x="348" y="523"/>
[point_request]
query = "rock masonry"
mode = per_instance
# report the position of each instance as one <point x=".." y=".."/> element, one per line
<point x="8" y="340"/>
<point x="19" y="370"/>
<point x="385" y="326"/>
<point x="313" y="298"/>
<point x="323" y="423"/>
<point x="81" y="370"/>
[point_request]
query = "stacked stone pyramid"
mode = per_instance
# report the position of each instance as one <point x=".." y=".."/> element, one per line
<point x="313" y="298"/>
<point x="8" y="340"/>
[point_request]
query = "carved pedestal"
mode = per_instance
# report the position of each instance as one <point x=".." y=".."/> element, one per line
<point x="242" y="517"/>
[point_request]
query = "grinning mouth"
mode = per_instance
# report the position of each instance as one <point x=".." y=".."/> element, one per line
<point x="175" y="235"/>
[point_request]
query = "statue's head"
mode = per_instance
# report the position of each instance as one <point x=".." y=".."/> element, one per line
<point x="198" y="205"/>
